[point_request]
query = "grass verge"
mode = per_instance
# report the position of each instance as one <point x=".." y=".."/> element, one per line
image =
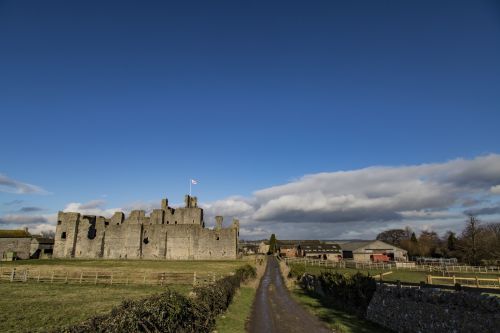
<point x="338" y="320"/>
<point x="235" y="318"/>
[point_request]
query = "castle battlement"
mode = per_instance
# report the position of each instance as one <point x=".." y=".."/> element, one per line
<point x="167" y="233"/>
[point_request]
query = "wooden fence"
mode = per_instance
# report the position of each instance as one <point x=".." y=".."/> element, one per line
<point x="391" y="265"/>
<point x="105" y="277"/>
<point x="475" y="282"/>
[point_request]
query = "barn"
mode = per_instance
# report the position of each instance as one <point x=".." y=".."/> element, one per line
<point x="372" y="251"/>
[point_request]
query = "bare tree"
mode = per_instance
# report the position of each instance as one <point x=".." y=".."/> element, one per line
<point x="470" y="240"/>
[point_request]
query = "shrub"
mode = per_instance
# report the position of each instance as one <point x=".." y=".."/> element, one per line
<point x="296" y="271"/>
<point x="169" y="311"/>
<point x="351" y="292"/>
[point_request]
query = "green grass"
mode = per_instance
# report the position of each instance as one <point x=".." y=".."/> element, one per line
<point x="338" y="320"/>
<point x="235" y="318"/>
<point x="41" y="306"/>
<point x="401" y="275"/>
<point x="37" y="307"/>
<point x="215" y="266"/>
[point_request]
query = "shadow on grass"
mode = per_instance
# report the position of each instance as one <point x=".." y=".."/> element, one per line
<point x="337" y="318"/>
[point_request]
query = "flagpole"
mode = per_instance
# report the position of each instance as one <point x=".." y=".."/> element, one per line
<point x="190" y="187"/>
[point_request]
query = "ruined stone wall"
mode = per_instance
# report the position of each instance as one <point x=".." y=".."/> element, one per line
<point x="432" y="310"/>
<point x="21" y="246"/>
<point x="168" y="233"/>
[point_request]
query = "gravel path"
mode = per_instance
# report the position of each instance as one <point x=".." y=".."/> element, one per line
<point x="274" y="310"/>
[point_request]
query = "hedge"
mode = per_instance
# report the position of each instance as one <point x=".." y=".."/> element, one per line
<point x="169" y="311"/>
<point x="351" y="292"/>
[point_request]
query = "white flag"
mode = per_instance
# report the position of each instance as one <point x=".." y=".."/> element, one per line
<point x="194" y="181"/>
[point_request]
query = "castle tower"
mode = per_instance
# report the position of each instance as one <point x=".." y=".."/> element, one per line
<point x="218" y="222"/>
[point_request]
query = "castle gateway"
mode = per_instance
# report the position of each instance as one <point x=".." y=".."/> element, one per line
<point x="168" y="233"/>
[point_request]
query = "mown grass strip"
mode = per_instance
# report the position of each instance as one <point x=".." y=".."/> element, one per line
<point x="236" y="316"/>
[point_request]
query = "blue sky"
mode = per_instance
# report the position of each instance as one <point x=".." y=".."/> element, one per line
<point x="121" y="103"/>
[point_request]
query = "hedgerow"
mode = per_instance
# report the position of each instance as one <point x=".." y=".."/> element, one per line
<point x="351" y="292"/>
<point x="169" y="311"/>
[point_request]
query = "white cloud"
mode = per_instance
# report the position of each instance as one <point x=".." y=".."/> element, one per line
<point x="10" y="185"/>
<point x="93" y="207"/>
<point x="495" y="189"/>
<point x="333" y="204"/>
<point x="15" y="219"/>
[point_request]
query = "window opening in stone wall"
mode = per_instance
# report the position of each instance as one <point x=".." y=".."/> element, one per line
<point x="217" y="237"/>
<point x="146" y="240"/>
<point x="63" y="235"/>
<point x="59" y="222"/>
<point x="106" y="223"/>
<point x="175" y="222"/>
<point x="92" y="232"/>
<point x="168" y="222"/>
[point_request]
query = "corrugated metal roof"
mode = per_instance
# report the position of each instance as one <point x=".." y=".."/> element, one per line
<point x="14" y="234"/>
<point x="351" y="246"/>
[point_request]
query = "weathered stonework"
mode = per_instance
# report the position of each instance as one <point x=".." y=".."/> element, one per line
<point x="168" y="233"/>
<point x="434" y="311"/>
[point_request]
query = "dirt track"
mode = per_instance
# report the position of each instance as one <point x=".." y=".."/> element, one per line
<point x="275" y="311"/>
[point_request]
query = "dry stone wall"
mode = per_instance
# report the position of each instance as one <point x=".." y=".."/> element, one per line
<point x="433" y="310"/>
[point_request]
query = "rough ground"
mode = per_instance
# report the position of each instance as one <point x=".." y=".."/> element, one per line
<point x="274" y="310"/>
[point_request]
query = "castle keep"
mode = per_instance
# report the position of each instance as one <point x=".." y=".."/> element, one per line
<point x="168" y="233"/>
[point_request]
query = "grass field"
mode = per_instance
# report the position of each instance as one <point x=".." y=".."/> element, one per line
<point x="38" y="307"/>
<point x="401" y="275"/>
<point x="234" y="320"/>
<point x="338" y="320"/>
<point x="212" y="266"/>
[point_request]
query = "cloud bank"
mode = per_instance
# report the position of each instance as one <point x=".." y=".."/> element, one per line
<point x="337" y="203"/>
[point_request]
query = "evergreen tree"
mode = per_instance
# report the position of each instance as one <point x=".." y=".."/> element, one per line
<point x="272" y="244"/>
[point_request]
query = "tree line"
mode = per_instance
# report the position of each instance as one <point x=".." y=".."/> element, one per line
<point x="477" y="244"/>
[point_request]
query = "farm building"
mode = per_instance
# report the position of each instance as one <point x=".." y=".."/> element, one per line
<point x="20" y="244"/>
<point x="372" y="251"/>
<point x="321" y="250"/>
<point x="309" y="248"/>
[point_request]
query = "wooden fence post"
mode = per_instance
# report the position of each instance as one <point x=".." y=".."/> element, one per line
<point x="52" y="277"/>
<point x="194" y="278"/>
<point x="477" y="282"/>
<point x="38" y="278"/>
<point x="111" y="282"/>
<point x="81" y="277"/>
<point x="454" y="280"/>
<point x="429" y="279"/>
<point x="96" y="276"/>
<point x="66" y="281"/>
<point x="12" y="275"/>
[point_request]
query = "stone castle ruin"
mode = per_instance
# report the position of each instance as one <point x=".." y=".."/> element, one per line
<point x="168" y="233"/>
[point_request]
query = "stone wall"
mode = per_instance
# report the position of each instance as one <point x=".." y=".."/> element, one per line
<point x="21" y="246"/>
<point x="168" y="233"/>
<point x="431" y="310"/>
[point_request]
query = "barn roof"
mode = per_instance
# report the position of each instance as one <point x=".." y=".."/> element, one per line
<point x="320" y="247"/>
<point x="353" y="246"/>
<point x="14" y="234"/>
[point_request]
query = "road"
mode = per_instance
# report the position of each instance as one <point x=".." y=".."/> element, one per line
<point x="274" y="310"/>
